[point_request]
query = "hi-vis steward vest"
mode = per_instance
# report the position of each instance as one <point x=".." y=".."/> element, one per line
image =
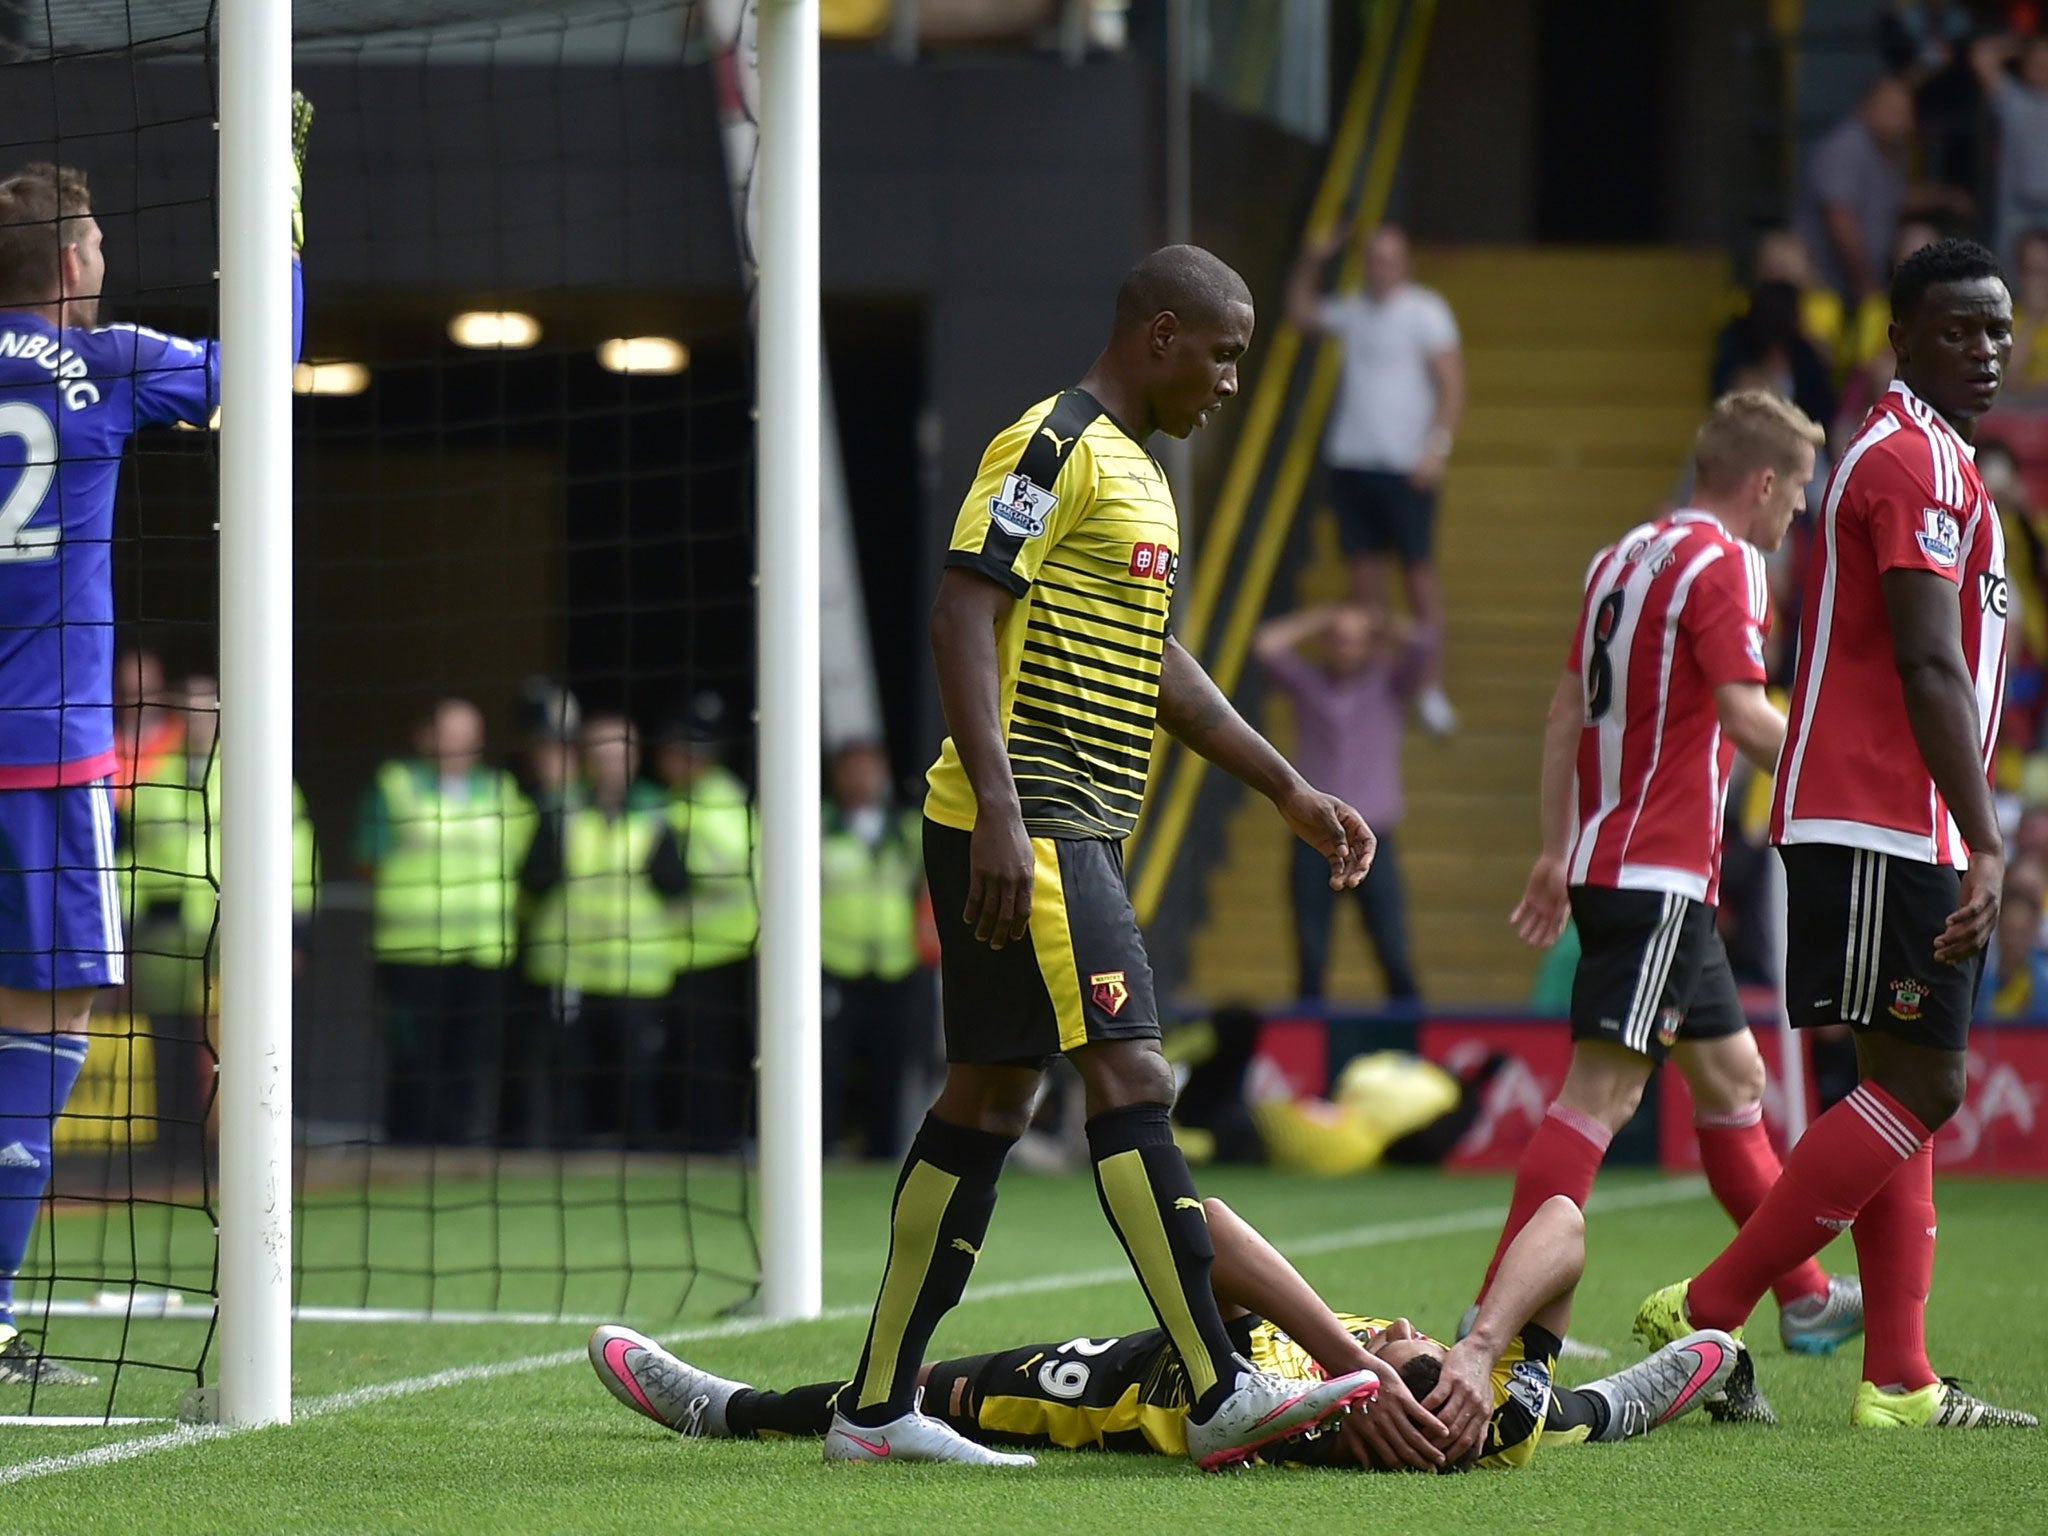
<point x="173" y="830"/>
<point x="868" y="900"/>
<point x="604" y="929"/>
<point x="719" y="836"/>
<point x="447" y="883"/>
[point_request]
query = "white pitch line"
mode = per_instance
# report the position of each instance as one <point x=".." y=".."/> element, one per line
<point x="202" y="1312"/>
<point x="71" y="1421"/>
<point x="1372" y="1236"/>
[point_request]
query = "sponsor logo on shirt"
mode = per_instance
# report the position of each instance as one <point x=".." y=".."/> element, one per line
<point x="1939" y="536"/>
<point x="1994" y="594"/>
<point x="1754" y="645"/>
<point x="1021" y="508"/>
<point x="1154" y="562"/>
<point x="1109" y="991"/>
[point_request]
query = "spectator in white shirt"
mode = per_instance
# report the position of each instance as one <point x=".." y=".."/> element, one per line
<point x="1389" y="437"/>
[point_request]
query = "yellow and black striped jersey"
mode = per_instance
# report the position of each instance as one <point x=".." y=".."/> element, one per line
<point x="1521" y="1383"/>
<point x="1074" y="517"/>
<point x="1130" y="1394"/>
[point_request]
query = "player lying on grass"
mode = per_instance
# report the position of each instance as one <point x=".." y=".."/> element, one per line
<point x="1486" y="1401"/>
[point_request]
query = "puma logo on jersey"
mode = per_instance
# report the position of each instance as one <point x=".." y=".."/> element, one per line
<point x="967" y="1248"/>
<point x="1059" y="444"/>
<point x="1188" y="1203"/>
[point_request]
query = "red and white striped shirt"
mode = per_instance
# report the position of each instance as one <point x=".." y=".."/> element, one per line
<point x="1905" y="497"/>
<point x="1672" y="611"/>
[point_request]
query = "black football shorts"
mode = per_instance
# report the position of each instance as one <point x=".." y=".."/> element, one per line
<point x="1652" y="971"/>
<point x="1859" y="945"/>
<point x="1079" y="975"/>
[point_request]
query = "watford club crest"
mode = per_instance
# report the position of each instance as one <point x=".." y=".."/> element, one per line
<point x="1109" y="991"/>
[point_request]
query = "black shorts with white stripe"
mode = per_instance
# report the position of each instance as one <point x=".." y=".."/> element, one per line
<point x="1652" y="971"/>
<point x="1859" y="945"/>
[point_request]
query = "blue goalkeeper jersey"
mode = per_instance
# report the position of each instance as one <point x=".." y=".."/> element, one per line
<point x="70" y="399"/>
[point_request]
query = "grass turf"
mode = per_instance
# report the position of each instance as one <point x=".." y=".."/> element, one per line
<point x="545" y="1450"/>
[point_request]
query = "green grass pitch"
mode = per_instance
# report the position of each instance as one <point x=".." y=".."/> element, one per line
<point x="508" y="1445"/>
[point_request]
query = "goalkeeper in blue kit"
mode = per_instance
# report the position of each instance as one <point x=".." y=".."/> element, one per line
<point x="72" y="392"/>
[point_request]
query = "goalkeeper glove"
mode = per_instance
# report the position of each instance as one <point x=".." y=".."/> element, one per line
<point x="302" y="121"/>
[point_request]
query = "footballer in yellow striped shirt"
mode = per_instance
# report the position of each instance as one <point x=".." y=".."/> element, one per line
<point x="1055" y="666"/>
<point x="1130" y="1394"/>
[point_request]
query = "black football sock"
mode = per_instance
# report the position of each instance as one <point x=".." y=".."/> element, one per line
<point x="943" y="1203"/>
<point x="1150" y="1199"/>
<point x="801" y="1413"/>
<point x="1574" y="1409"/>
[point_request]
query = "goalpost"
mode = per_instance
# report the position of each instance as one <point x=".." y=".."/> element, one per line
<point x="256" y="708"/>
<point x="788" y="437"/>
<point x="256" y="569"/>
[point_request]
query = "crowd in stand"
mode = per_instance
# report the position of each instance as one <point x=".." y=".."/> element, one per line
<point x="562" y="942"/>
<point x="1950" y="138"/>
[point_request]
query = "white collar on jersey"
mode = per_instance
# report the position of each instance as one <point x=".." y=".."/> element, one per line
<point x="1699" y="515"/>
<point x="1928" y="416"/>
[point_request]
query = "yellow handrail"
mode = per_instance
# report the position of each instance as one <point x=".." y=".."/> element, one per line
<point x="1255" y="578"/>
<point x="1269" y="395"/>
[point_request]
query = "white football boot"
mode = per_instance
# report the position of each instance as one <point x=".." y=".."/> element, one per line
<point x="1263" y="1408"/>
<point x="650" y="1380"/>
<point x="913" y="1437"/>
<point x="1665" y="1385"/>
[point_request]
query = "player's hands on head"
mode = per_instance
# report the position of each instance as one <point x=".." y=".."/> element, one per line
<point x="1463" y="1400"/>
<point x="1970" y="926"/>
<point x="998" y="879"/>
<point x="1334" y="830"/>
<point x="1397" y="1432"/>
<point x="1546" y="902"/>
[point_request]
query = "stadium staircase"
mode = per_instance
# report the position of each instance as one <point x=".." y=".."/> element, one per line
<point x="1587" y="371"/>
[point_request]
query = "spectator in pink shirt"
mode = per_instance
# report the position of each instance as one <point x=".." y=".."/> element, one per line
<point x="1350" y="706"/>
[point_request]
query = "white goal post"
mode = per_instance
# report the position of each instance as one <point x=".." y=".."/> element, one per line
<point x="256" y="713"/>
<point x="256" y="669"/>
<point x="787" y="442"/>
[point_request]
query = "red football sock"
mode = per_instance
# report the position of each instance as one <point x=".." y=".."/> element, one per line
<point x="1561" y="1159"/>
<point x="1895" y="1251"/>
<point x="1741" y="1166"/>
<point x="1845" y="1158"/>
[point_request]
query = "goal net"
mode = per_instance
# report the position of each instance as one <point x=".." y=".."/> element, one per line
<point x="525" y="843"/>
